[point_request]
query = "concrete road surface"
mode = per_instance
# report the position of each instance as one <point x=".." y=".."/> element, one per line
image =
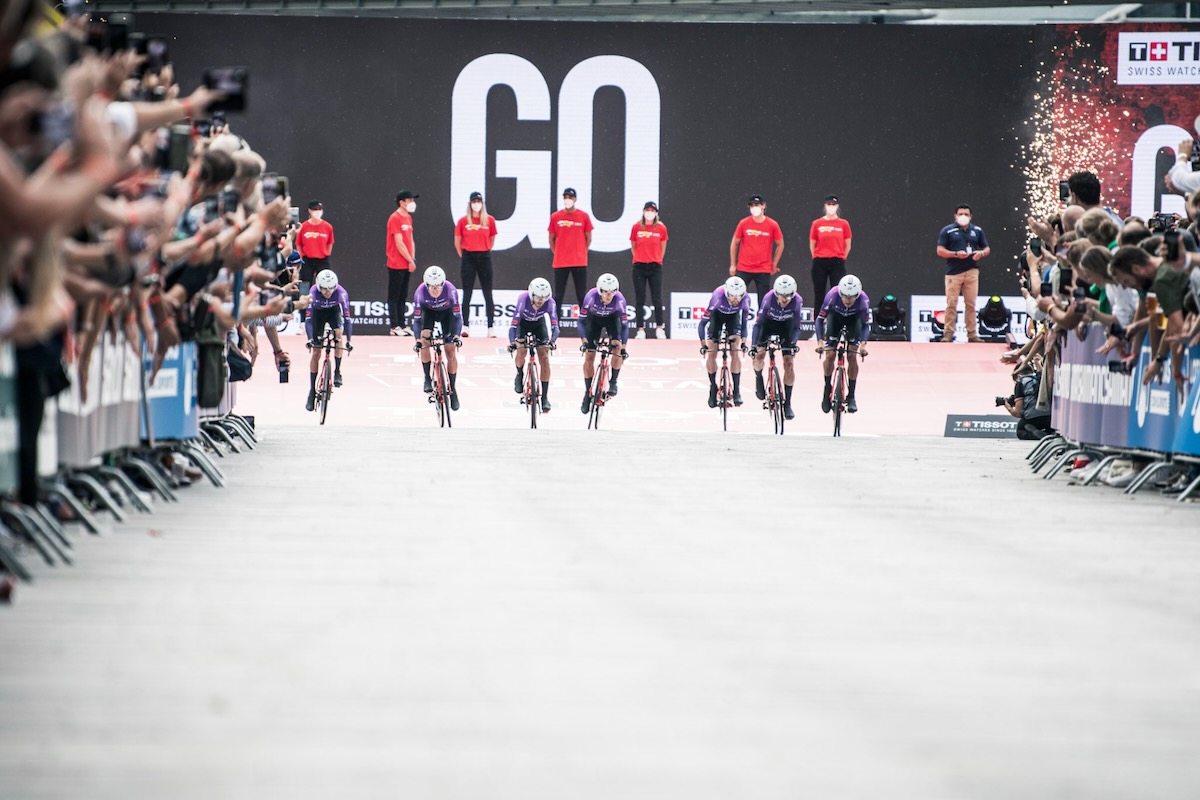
<point x="484" y="615"/>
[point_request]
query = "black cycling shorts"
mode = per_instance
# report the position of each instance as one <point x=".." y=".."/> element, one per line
<point x="718" y="321"/>
<point x="774" y="327"/>
<point x="595" y="325"/>
<point x="321" y="317"/>
<point x="432" y="316"/>
<point x="834" y="323"/>
<point x="539" y="328"/>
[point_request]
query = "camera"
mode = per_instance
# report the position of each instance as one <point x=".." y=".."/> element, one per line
<point x="1120" y="367"/>
<point x="1160" y="222"/>
<point x="1006" y="401"/>
<point x="230" y="81"/>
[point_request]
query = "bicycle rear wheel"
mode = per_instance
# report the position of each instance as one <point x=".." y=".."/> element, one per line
<point x="532" y="390"/>
<point x="724" y="399"/>
<point x="443" y="394"/>
<point x="326" y="390"/>
<point x="839" y="398"/>
<point x="777" y="400"/>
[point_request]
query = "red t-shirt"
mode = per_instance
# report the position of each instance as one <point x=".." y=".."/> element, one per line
<point x="647" y="242"/>
<point x="476" y="236"/>
<point x="315" y="239"/>
<point x="570" y="246"/>
<point x="400" y="223"/>
<point x="831" y="236"/>
<point x="758" y="243"/>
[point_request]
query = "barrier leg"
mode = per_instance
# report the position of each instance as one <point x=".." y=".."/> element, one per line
<point x="239" y="429"/>
<point x="1050" y="453"/>
<point x="210" y="442"/>
<point x="203" y="463"/>
<point x="1070" y="456"/>
<point x="1042" y="446"/>
<point x="1149" y="472"/>
<point x="92" y="487"/>
<point x="241" y="421"/>
<point x="9" y="561"/>
<point x="128" y="486"/>
<point x="57" y="489"/>
<point x="52" y="526"/>
<point x="1191" y="487"/>
<point x="134" y="464"/>
<point x="1104" y="462"/>
<point x="215" y="430"/>
<point x="19" y="524"/>
<point x="31" y="519"/>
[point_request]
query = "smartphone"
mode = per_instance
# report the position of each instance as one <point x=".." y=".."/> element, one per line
<point x="1047" y="289"/>
<point x="285" y="187"/>
<point x="1080" y="295"/>
<point x="203" y="128"/>
<point x="219" y="123"/>
<point x="294" y="215"/>
<point x="1171" y="239"/>
<point x="111" y="36"/>
<point x="179" y="148"/>
<point x="55" y="125"/>
<point x="212" y="209"/>
<point x="1064" y="192"/>
<point x="1035" y="246"/>
<point x="1119" y="366"/>
<point x="156" y="54"/>
<point x="233" y="82"/>
<point x="1066" y="279"/>
<point x="230" y="201"/>
<point x="270" y="187"/>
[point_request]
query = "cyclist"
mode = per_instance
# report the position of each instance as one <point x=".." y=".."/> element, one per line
<point x="436" y="301"/>
<point x="729" y="311"/>
<point x="845" y="307"/>
<point x="603" y="309"/>
<point x="536" y="313"/>
<point x="330" y="306"/>
<point x="779" y="315"/>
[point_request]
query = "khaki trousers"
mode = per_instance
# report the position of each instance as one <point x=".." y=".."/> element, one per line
<point x="966" y="284"/>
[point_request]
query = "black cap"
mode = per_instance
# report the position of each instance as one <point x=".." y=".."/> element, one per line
<point x="406" y="195"/>
<point x="831" y="198"/>
<point x="313" y="204"/>
<point x="568" y="192"/>
<point x="755" y="199"/>
<point x="650" y="204"/>
<point x="475" y="196"/>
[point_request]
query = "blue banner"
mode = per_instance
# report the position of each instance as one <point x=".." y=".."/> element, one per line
<point x="171" y="399"/>
<point x="1187" y="431"/>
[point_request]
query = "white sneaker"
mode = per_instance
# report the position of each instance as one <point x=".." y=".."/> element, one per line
<point x="641" y="333"/>
<point x="1121" y="474"/>
<point x="491" y="332"/>
<point x="395" y="331"/>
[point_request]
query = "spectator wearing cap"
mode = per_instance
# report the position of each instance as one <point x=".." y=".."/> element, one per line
<point x="756" y="248"/>
<point x="315" y="243"/>
<point x="474" y="236"/>
<point x="570" y="237"/>
<point x="401" y="260"/>
<point x="962" y="243"/>
<point x="648" y="241"/>
<point x="829" y="241"/>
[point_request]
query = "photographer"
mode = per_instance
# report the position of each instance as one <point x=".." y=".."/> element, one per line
<point x="1023" y="404"/>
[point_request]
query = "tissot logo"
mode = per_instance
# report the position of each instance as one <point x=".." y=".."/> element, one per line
<point x="1163" y="51"/>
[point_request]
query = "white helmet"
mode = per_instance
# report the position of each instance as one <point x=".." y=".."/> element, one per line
<point x="849" y="286"/>
<point x="735" y="287"/>
<point x="327" y="279"/>
<point x="539" y="287"/>
<point x="435" y="276"/>
<point x="785" y="284"/>
<point x="608" y="282"/>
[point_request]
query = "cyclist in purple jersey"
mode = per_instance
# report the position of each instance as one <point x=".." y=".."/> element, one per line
<point x="779" y="315"/>
<point x="436" y="303"/>
<point x="536" y="313"/>
<point x="729" y="311"/>
<point x="603" y="310"/>
<point x="330" y="307"/>
<point x="845" y="307"/>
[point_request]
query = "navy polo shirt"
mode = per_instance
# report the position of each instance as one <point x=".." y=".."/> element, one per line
<point x="955" y="238"/>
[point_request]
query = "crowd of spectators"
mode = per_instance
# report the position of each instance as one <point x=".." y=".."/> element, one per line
<point x="127" y="209"/>
<point x="1138" y="278"/>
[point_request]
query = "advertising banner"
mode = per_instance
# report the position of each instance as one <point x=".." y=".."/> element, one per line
<point x="171" y="398"/>
<point x="1155" y="408"/>
<point x="1091" y="402"/>
<point x="1187" y="429"/>
<point x="921" y="308"/>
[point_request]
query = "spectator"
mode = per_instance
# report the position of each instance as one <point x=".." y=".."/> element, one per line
<point x="315" y="243"/>
<point x="829" y="241"/>
<point x="474" y="236"/>
<point x="401" y="260"/>
<point x="1182" y="179"/>
<point x="756" y="247"/>
<point x="570" y="233"/>
<point x="648" y="243"/>
<point x="962" y="243"/>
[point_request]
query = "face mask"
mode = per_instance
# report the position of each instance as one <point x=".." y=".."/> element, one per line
<point x="963" y="220"/>
<point x="568" y="203"/>
<point x="318" y="214"/>
<point x="831" y="209"/>
<point x="649" y="216"/>
<point x="476" y="206"/>
<point x="411" y="207"/>
<point x="756" y="211"/>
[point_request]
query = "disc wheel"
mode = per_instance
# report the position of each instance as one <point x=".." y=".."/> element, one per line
<point x="839" y="400"/>
<point x="777" y="405"/>
<point x="326" y="391"/>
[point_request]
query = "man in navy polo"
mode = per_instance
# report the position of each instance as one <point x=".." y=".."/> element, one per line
<point x="962" y="244"/>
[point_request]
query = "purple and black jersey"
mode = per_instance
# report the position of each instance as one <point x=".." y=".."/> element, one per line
<point x="529" y="317"/>
<point x="338" y="298"/>
<point x="779" y="316"/>
<point x="445" y="306"/>
<point x="719" y="304"/>
<point x="834" y="314"/>
<point x="593" y="306"/>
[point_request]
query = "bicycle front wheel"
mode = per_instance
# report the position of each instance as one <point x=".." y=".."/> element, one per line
<point x="839" y="399"/>
<point x="777" y="400"/>
<point x="532" y="390"/>
<point x="724" y="398"/>
<point x="443" y="394"/>
<point x="326" y="390"/>
<point x="597" y="396"/>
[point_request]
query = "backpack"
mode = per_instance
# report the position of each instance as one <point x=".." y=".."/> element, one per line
<point x="212" y="371"/>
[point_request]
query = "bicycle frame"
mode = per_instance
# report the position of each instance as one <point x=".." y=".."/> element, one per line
<point x="531" y="397"/>
<point x="599" y="382"/>
<point x="440" y="396"/>
<point x="775" y="393"/>
<point x="325" y="376"/>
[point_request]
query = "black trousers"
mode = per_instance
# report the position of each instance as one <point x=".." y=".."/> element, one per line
<point x="310" y="268"/>
<point x="578" y="276"/>
<point x="31" y="409"/>
<point x="647" y="274"/>
<point x="826" y="272"/>
<point x="762" y="282"/>
<point x="477" y="263"/>
<point x="397" y="296"/>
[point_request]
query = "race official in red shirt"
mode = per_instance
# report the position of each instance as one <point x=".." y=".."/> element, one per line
<point x="829" y="241"/>
<point x="570" y="237"/>
<point x="756" y="248"/>
<point x="315" y="243"/>
<point x="401" y="260"/>
<point x="474" y="236"/>
<point x="648" y="242"/>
